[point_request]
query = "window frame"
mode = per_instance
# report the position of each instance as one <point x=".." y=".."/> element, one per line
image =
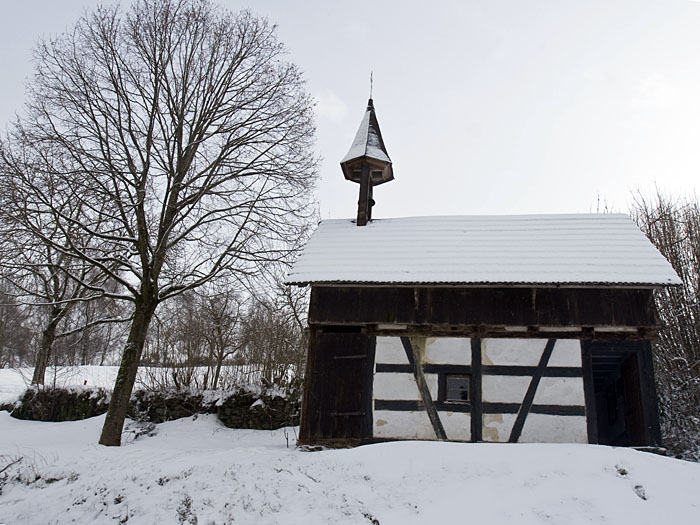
<point x="443" y="390"/>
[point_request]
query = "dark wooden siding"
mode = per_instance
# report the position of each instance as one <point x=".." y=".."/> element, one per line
<point x="337" y="404"/>
<point x="444" y="306"/>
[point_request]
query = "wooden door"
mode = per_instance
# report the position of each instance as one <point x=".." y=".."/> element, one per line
<point x="338" y="389"/>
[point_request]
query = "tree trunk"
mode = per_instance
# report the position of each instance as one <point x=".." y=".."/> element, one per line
<point x="118" y="406"/>
<point x="105" y="346"/>
<point x="85" y="347"/>
<point x="217" y="374"/>
<point x="48" y="337"/>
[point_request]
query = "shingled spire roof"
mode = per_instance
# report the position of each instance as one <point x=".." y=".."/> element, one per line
<point x="369" y="147"/>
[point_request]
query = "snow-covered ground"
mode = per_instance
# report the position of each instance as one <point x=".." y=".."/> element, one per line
<point x="197" y="471"/>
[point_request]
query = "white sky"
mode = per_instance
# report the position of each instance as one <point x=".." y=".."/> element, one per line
<point x="486" y="106"/>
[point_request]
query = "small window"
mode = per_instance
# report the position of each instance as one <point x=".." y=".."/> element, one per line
<point x="456" y="388"/>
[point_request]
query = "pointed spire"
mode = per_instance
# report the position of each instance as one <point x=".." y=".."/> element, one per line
<point x="368" y="147"/>
<point x="367" y="163"/>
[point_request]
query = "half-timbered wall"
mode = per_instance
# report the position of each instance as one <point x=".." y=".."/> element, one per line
<point x="520" y="390"/>
<point x="532" y="391"/>
<point x="515" y="353"/>
<point x="401" y="410"/>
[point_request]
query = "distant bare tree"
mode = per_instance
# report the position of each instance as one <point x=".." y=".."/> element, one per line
<point x="674" y="228"/>
<point x="184" y="136"/>
<point x="292" y="305"/>
<point x="195" y="334"/>
<point x="274" y="335"/>
<point x="42" y="277"/>
<point x="222" y="311"/>
<point x="36" y="254"/>
<point x="15" y="335"/>
<point x="89" y="335"/>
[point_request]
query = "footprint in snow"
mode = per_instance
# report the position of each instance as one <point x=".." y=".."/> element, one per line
<point x="638" y="489"/>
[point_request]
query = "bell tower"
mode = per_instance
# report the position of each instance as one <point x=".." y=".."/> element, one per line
<point x="367" y="163"/>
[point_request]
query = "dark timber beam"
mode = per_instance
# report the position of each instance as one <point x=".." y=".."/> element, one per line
<point x="476" y="415"/>
<point x="589" y="392"/>
<point x="427" y="399"/>
<point x="461" y="309"/>
<point x="531" y="391"/>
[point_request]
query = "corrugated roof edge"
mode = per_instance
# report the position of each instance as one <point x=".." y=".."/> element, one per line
<point x="562" y="284"/>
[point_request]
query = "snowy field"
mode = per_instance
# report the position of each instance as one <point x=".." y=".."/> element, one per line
<point x="14" y="381"/>
<point x="197" y="471"/>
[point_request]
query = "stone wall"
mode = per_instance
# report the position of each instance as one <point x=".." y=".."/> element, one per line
<point x="60" y="404"/>
<point x="254" y="408"/>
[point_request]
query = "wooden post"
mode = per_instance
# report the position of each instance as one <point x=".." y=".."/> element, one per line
<point x="364" y="205"/>
<point x="650" y="402"/>
<point x="477" y="420"/>
<point x="589" y="392"/>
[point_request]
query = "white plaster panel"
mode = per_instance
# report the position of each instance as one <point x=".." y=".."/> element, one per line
<point x="390" y="350"/>
<point x="504" y="389"/>
<point x="457" y="425"/>
<point x="567" y="352"/>
<point x="543" y="428"/>
<point x="507" y="351"/>
<point x="496" y="428"/>
<point x="560" y="391"/>
<point x="432" y="381"/>
<point x="448" y="350"/>
<point x="393" y="385"/>
<point x="400" y="424"/>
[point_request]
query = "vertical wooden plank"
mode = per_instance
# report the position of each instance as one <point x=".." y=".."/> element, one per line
<point x="345" y="394"/>
<point x="309" y="401"/>
<point x="476" y="408"/>
<point x="589" y="392"/>
<point x="649" y="396"/>
<point x="368" y="388"/>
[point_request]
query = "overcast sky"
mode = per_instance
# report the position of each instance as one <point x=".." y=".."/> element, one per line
<point x="485" y="106"/>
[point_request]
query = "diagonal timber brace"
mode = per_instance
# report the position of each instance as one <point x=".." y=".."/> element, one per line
<point x="427" y="399"/>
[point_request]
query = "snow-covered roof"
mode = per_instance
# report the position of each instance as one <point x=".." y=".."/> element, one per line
<point x="586" y="249"/>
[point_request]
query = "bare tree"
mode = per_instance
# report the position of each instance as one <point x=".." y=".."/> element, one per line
<point x="274" y="332"/>
<point x="222" y="310"/>
<point x="15" y="336"/>
<point x="195" y="334"/>
<point x="186" y="138"/>
<point x="674" y="227"/>
<point x="36" y="257"/>
<point x="43" y="278"/>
